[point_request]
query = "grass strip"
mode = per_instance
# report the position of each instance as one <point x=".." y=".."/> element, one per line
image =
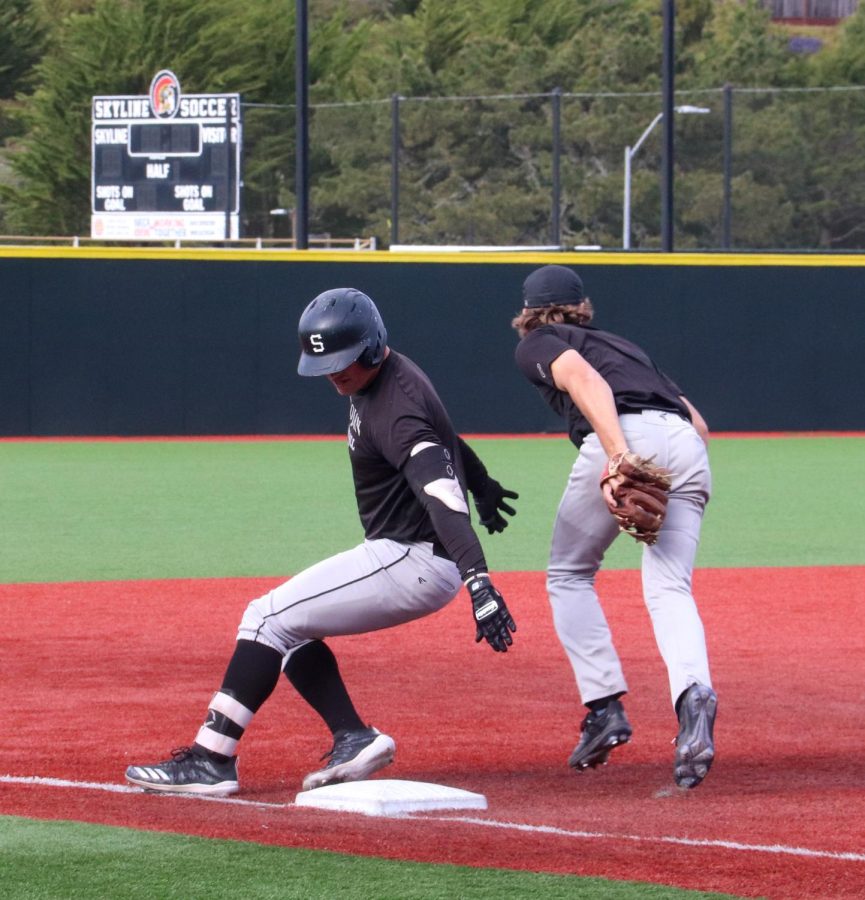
<point x="57" y="860"/>
<point x="191" y="509"/>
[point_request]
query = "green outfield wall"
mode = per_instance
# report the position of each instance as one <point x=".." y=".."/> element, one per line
<point x="164" y="341"/>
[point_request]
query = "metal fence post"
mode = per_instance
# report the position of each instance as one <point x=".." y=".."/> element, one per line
<point x="557" y="153"/>
<point x="727" y="240"/>
<point x="394" y="168"/>
<point x="626" y="205"/>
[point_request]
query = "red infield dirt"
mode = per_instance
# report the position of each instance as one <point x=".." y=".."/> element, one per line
<point x="100" y="675"/>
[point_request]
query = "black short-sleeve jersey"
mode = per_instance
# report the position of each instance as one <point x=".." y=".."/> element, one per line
<point x="398" y="411"/>
<point x="636" y="382"/>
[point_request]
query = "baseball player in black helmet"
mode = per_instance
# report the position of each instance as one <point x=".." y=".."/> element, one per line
<point x="615" y="400"/>
<point x="411" y="474"/>
<point x="340" y="327"/>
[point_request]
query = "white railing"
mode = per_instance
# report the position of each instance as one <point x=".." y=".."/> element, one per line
<point x="315" y="242"/>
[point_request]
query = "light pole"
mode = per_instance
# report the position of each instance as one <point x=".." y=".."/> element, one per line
<point x="631" y="152"/>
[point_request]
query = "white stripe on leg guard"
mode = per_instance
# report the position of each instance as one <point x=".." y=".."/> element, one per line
<point x="215" y="742"/>
<point x="228" y="706"/>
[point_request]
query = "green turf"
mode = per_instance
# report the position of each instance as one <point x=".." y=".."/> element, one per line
<point x="163" y="509"/>
<point x="48" y="860"/>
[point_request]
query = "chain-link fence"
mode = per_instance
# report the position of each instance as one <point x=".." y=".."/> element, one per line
<point x="754" y="169"/>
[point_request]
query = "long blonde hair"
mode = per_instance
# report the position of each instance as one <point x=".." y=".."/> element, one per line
<point x="555" y="314"/>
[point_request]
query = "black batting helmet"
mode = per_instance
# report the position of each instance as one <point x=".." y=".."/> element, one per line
<point x="339" y="327"/>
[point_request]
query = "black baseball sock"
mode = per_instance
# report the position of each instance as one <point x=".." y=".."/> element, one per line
<point x="313" y="671"/>
<point x="252" y="673"/>
<point x="603" y="702"/>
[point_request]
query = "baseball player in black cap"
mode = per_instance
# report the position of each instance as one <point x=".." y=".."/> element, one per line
<point x="616" y="401"/>
<point x="411" y="471"/>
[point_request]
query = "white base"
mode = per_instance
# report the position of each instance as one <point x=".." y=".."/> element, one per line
<point x="389" y="797"/>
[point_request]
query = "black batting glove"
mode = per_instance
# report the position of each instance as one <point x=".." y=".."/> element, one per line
<point x="494" y="622"/>
<point x="489" y="501"/>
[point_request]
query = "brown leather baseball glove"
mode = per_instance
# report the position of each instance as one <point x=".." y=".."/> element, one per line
<point x="636" y="492"/>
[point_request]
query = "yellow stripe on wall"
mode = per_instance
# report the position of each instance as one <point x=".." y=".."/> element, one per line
<point x="630" y="258"/>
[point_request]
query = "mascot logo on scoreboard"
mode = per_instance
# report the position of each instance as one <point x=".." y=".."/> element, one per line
<point x="164" y="94"/>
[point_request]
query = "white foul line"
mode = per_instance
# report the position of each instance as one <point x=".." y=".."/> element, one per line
<point x="664" y="839"/>
<point x="779" y="849"/>
<point x="128" y="789"/>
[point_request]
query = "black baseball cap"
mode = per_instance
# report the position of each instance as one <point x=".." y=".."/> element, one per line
<point x="553" y="285"/>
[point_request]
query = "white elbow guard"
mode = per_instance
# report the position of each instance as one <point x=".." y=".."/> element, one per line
<point x="432" y="468"/>
<point x="449" y="492"/>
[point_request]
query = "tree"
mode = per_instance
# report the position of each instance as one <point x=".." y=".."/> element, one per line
<point x="116" y="48"/>
<point x="476" y="78"/>
<point x="21" y="44"/>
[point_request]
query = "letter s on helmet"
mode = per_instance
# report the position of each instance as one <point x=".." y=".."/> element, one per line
<point x="339" y="327"/>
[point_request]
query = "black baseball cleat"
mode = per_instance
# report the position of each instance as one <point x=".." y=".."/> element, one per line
<point x="189" y="771"/>
<point x="355" y="755"/>
<point x="601" y="732"/>
<point x="695" y="746"/>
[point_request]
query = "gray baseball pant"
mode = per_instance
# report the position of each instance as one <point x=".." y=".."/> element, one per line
<point x="378" y="584"/>
<point x="583" y="531"/>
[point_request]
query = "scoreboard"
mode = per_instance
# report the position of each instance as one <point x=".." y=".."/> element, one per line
<point x="166" y="166"/>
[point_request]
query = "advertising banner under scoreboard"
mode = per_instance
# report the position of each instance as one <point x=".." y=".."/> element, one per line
<point x="166" y="166"/>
